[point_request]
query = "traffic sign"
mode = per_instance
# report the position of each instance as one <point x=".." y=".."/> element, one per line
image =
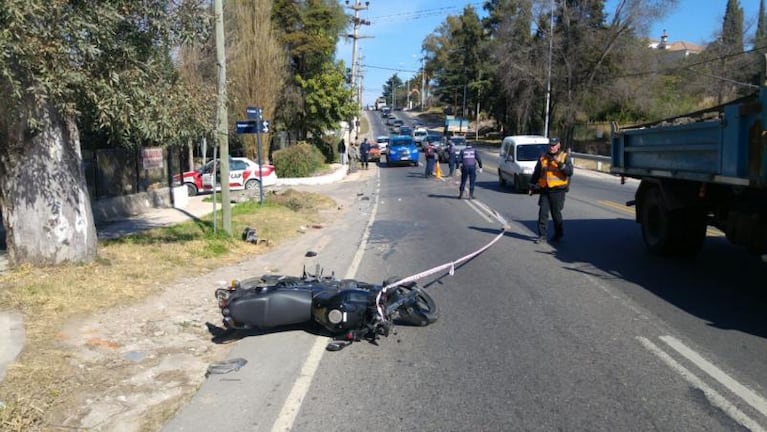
<point x="254" y="113"/>
<point x="247" y="127"/>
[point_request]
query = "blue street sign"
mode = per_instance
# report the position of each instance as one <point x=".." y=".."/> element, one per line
<point x="247" y="127"/>
<point x="264" y="126"/>
<point x="254" y="113"/>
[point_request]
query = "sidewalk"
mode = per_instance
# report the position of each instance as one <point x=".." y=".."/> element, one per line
<point x="11" y="322"/>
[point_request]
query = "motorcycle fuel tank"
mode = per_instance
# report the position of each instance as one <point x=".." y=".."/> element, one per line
<point x="342" y="311"/>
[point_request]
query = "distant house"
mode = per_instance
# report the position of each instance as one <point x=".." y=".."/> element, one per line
<point x="675" y="50"/>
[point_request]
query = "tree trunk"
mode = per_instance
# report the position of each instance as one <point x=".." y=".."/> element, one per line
<point x="43" y="193"/>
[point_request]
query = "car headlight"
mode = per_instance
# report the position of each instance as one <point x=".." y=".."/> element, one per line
<point x="527" y="171"/>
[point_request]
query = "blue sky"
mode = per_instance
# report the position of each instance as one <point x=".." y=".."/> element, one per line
<point x="398" y="27"/>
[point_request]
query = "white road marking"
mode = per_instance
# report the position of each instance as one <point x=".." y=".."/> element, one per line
<point x="292" y="405"/>
<point x="745" y="393"/>
<point x="712" y="395"/>
<point x="477" y="209"/>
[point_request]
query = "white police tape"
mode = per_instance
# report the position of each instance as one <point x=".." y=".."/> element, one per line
<point x="451" y="265"/>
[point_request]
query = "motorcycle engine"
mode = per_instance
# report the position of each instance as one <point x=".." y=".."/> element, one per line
<point x="342" y="311"/>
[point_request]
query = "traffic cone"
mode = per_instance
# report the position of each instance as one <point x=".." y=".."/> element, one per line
<point x="437" y="171"/>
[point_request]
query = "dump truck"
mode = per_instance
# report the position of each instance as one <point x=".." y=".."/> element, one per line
<point x="707" y="168"/>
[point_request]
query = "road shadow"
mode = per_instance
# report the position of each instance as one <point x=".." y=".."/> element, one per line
<point x="723" y="284"/>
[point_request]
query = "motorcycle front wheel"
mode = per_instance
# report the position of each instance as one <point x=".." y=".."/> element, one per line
<point x="420" y="311"/>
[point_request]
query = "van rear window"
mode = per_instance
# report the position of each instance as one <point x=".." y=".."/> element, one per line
<point x="531" y="152"/>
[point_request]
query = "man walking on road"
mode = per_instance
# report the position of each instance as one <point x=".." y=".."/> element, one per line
<point x="468" y="160"/>
<point x="551" y="179"/>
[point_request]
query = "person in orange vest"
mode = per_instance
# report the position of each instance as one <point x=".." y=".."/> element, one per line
<point x="551" y="179"/>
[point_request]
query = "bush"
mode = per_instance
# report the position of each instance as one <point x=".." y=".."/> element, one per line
<point x="300" y="160"/>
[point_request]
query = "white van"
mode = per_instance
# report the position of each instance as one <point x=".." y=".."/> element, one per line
<point x="518" y="157"/>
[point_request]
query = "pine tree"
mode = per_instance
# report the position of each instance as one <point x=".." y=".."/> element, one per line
<point x="760" y="39"/>
<point x="732" y="28"/>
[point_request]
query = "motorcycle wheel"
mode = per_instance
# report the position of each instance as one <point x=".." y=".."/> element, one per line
<point x="422" y="311"/>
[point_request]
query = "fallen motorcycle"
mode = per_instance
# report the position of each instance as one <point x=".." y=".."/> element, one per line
<point x="347" y="309"/>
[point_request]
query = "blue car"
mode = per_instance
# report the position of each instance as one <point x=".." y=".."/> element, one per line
<point x="402" y="150"/>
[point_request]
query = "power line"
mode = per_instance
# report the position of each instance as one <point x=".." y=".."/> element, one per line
<point x="423" y="13"/>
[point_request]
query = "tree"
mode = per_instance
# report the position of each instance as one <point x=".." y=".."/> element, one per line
<point x="327" y="100"/>
<point x="760" y="39"/>
<point x="309" y="31"/>
<point x="256" y="63"/>
<point x="62" y="59"/>
<point x="393" y="91"/>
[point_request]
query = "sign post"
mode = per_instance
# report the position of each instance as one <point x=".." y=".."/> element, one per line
<point x="255" y="125"/>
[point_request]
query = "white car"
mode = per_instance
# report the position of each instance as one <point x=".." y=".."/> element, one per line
<point x="243" y="174"/>
<point x="419" y="135"/>
<point x="517" y="159"/>
<point x="383" y="143"/>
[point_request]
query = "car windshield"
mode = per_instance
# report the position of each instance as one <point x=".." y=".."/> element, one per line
<point x="458" y="141"/>
<point x="531" y="152"/>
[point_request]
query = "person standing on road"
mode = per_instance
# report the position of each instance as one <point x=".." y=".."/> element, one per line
<point x="342" y="151"/>
<point x="364" y="153"/>
<point x="451" y="159"/>
<point x="354" y="156"/>
<point x="469" y="160"/>
<point x="551" y="179"/>
<point x="430" y="155"/>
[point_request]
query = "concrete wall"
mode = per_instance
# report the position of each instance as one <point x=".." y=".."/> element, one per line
<point x="130" y="205"/>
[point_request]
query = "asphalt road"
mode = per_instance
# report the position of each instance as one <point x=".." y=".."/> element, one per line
<point x="593" y="334"/>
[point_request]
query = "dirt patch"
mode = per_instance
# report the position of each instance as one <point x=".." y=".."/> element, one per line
<point x="121" y="343"/>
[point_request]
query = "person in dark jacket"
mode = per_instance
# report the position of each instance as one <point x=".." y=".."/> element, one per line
<point x="468" y="161"/>
<point x="431" y="156"/>
<point x="364" y="153"/>
<point x="551" y="179"/>
<point x="342" y="151"/>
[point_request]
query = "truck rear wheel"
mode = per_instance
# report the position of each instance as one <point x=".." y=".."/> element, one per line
<point x="679" y="232"/>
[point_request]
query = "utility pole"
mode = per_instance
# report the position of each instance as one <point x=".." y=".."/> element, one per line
<point x="423" y="84"/>
<point x="221" y="125"/>
<point x="548" y="79"/>
<point x="357" y="22"/>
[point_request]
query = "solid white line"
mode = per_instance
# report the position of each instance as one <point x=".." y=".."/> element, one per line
<point x="745" y="393"/>
<point x="476" y="208"/>
<point x="292" y="405"/>
<point x="712" y="395"/>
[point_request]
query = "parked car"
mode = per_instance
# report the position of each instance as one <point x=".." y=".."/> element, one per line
<point x="374" y="155"/>
<point x="517" y="159"/>
<point x="459" y="143"/>
<point x="402" y="150"/>
<point x="243" y="174"/>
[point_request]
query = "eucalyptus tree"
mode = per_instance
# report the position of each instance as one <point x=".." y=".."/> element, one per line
<point x="109" y="59"/>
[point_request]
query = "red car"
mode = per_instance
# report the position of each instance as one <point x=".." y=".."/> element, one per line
<point x="243" y="174"/>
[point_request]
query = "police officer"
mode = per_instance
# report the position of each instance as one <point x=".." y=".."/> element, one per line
<point x="551" y="179"/>
<point x="468" y="161"/>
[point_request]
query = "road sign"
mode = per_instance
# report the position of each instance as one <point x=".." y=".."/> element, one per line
<point x="254" y="113"/>
<point x="247" y="127"/>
